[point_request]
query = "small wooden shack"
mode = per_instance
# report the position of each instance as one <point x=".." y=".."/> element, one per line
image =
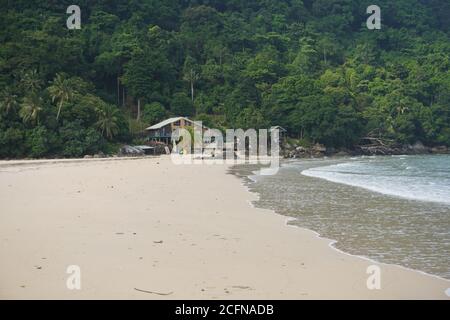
<point x="282" y="133"/>
<point x="162" y="131"/>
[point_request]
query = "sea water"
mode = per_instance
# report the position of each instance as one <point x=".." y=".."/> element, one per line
<point x="392" y="209"/>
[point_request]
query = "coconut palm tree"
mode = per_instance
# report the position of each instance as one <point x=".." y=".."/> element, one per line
<point x="30" y="109"/>
<point x="192" y="77"/>
<point x="60" y="90"/>
<point x="31" y="82"/>
<point x="8" y="100"/>
<point x="108" y="120"/>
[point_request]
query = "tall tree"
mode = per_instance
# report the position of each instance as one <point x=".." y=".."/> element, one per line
<point x="108" y="120"/>
<point x="190" y="74"/>
<point x="31" y="108"/>
<point x="31" y="82"/>
<point x="8" y="100"/>
<point x="61" y="90"/>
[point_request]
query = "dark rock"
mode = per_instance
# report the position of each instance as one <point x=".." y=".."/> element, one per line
<point x="341" y="154"/>
<point x="419" y="148"/>
<point x="440" y="150"/>
<point x="99" y="155"/>
<point x="130" y="151"/>
<point x="319" y="148"/>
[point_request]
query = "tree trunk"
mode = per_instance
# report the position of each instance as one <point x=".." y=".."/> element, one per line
<point x="139" y="109"/>
<point x="192" y="90"/>
<point x="118" y="91"/>
<point x="123" y="96"/>
<point x="59" y="109"/>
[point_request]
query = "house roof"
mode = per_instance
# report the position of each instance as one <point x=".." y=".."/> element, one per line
<point x="166" y="122"/>
<point x="277" y="127"/>
<point x="169" y="121"/>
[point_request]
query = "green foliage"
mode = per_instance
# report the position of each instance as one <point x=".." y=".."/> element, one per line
<point x="147" y="74"/>
<point x="38" y="142"/>
<point x="31" y="109"/>
<point x="61" y="90"/>
<point x="12" y="143"/>
<point x="153" y="113"/>
<point x="250" y="118"/>
<point x="78" y="141"/>
<point x="181" y="105"/>
<point x="309" y="66"/>
<point x="8" y="101"/>
<point x="208" y="121"/>
<point x="108" y="120"/>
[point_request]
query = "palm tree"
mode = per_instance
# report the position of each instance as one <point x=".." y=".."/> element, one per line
<point x="30" y="109"/>
<point x="108" y="120"/>
<point x="60" y="90"/>
<point x="8" y="100"/>
<point x="191" y="76"/>
<point x="31" y="82"/>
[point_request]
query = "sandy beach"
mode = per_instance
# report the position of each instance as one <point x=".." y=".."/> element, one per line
<point x="149" y="229"/>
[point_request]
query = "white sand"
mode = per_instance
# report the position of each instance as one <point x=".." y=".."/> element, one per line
<point x="107" y="217"/>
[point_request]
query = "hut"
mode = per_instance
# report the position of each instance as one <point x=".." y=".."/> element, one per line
<point x="282" y="133"/>
<point x="162" y="131"/>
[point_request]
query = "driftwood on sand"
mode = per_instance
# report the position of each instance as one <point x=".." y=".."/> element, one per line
<point x="154" y="292"/>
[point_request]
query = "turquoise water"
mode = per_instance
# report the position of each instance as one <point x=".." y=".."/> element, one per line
<point x="390" y="209"/>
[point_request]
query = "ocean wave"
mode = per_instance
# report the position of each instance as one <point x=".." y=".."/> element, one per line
<point x="409" y="178"/>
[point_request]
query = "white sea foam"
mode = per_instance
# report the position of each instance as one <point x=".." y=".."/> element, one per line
<point x="407" y="177"/>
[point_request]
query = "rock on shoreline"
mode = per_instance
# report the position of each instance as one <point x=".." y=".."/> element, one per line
<point x="319" y="150"/>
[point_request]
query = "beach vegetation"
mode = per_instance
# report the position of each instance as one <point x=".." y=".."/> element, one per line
<point x="312" y="67"/>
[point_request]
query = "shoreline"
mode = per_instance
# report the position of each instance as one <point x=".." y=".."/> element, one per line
<point x="292" y="263"/>
<point x="332" y="242"/>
